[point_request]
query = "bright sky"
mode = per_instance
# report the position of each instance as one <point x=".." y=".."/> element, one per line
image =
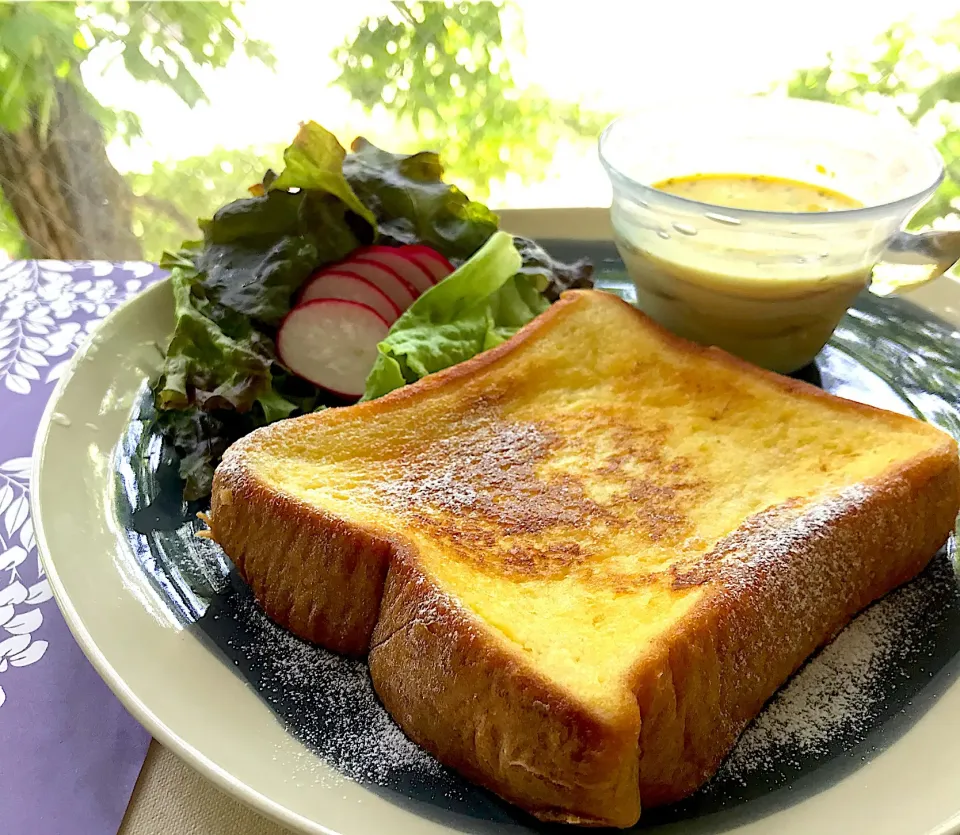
<point x="648" y="50"/>
<point x="611" y="55"/>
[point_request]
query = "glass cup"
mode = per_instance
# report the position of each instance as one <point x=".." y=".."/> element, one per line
<point x="770" y="287"/>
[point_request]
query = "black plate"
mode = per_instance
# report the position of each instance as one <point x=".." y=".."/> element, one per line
<point x="850" y="702"/>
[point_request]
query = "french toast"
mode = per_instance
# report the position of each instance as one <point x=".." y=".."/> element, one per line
<point x="581" y="562"/>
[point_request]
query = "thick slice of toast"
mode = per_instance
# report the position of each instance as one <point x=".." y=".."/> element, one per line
<point x="581" y="562"/>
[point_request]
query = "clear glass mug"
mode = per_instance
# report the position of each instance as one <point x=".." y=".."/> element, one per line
<point x="770" y="287"/>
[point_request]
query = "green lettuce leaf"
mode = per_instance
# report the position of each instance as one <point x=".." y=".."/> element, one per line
<point x="259" y="250"/>
<point x="475" y="308"/>
<point x="232" y="288"/>
<point x="200" y="439"/>
<point x="201" y="436"/>
<point x="511" y="307"/>
<point x="258" y="278"/>
<point x="204" y="365"/>
<point x="413" y="205"/>
<point x="314" y="162"/>
<point x="549" y="275"/>
<point x="269" y="215"/>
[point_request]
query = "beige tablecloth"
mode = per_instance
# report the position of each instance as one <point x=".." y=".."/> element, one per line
<point x="172" y="799"/>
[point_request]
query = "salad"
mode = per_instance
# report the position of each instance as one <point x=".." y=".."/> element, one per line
<point x="343" y="277"/>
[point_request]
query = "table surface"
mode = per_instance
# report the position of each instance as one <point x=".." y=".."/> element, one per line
<point x="171" y="798"/>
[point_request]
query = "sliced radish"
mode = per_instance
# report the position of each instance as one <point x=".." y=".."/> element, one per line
<point x="332" y="343"/>
<point x="331" y="284"/>
<point x="431" y="260"/>
<point x="398" y="290"/>
<point x="391" y="257"/>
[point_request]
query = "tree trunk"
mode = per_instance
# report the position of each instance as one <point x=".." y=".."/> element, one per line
<point x="70" y="202"/>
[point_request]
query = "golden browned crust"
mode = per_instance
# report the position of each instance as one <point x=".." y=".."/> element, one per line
<point x="707" y="678"/>
<point x="460" y="689"/>
<point x="476" y="704"/>
<point x="320" y="577"/>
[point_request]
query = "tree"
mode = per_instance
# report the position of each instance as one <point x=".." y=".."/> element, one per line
<point x="443" y="67"/>
<point x="67" y="199"/>
<point x="901" y="72"/>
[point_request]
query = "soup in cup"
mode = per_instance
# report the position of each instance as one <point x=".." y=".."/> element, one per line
<point x="753" y="224"/>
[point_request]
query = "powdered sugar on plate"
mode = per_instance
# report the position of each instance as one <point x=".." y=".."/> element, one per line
<point x="327" y="701"/>
<point x="871" y="670"/>
<point x="837" y="697"/>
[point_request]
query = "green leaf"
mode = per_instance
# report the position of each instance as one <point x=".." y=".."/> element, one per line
<point x="11" y="238"/>
<point x="271" y="215"/>
<point x="515" y="304"/>
<point x="205" y="366"/>
<point x="11" y="103"/>
<point x="186" y="86"/>
<point x="259" y="250"/>
<point x="315" y="162"/>
<point x="474" y="308"/>
<point x="258" y="277"/>
<point x="275" y="407"/>
<point x="45" y="112"/>
<point x="412" y="204"/>
<point x="946" y="88"/>
<point x="200" y="440"/>
<point x="549" y="275"/>
<point x="142" y="69"/>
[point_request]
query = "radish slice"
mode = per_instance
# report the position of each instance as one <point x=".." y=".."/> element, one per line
<point x="431" y="260"/>
<point x="414" y="273"/>
<point x="332" y="343"/>
<point x="352" y="288"/>
<point x="399" y="291"/>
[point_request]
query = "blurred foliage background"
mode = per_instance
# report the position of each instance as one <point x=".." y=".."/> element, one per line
<point x="62" y="197"/>
<point x="438" y="75"/>
<point x="445" y="71"/>
<point x="909" y="74"/>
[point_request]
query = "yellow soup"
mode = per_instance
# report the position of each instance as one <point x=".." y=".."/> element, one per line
<point x="761" y="193"/>
<point x="753" y="291"/>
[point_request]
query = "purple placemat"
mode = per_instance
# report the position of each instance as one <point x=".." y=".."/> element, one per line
<point x="69" y="752"/>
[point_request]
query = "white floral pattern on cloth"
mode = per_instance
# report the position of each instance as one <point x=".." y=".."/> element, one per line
<point x="36" y="299"/>
<point x="47" y="309"/>
<point x="23" y="583"/>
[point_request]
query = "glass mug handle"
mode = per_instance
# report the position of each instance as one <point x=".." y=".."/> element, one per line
<point x="914" y="258"/>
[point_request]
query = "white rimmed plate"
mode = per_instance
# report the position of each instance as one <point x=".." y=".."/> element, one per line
<point x="177" y="641"/>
